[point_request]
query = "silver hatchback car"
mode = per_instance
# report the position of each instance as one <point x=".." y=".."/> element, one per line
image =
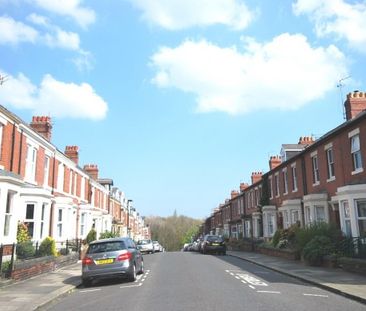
<point x="116" y="257"/>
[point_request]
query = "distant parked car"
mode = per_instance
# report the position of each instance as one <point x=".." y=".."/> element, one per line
<point x="146" y="246"/>
<point x="116" y="257"/>
<point x="213" y="244"/>
<point x="157" y="246"/>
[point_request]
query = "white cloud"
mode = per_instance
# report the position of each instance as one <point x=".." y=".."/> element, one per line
<point x="337" y="17"/>
<point x="71" y="8"/>
<point x="180" y="14"/>
<point x="57" y="98"/>
<point x="13" y="32"/>
<point x="63" y="39"/>
<point x="285" y="73"/>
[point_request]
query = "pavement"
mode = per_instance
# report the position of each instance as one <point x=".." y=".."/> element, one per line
<point x="39" y="291"/>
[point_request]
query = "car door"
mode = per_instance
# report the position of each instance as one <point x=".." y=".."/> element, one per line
<point x="136" y="253"/>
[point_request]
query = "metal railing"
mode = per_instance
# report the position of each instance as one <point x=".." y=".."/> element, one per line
<point x="352" y="247"/>
<point x="29" y="250"/>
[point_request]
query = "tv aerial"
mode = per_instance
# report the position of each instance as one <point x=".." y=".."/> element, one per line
<point x="3" y="79"/>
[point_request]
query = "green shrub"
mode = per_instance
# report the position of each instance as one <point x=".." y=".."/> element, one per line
<point x="276" y="237"/>
<point x="107" y="234"/>
<point x="316" y="249"/>
<point x="25" y="250"/>
<point x="22" y="233"/>
<point x="92" y="236"/>
<point x="48" y="247"/>
<point x="305" y="235"/>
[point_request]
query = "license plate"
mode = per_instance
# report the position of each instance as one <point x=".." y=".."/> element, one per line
<point x="104" y="261"/>
<point x="215" y="244"/>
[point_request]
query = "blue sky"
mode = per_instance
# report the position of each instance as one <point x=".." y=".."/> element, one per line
<point x="178" y="101"/>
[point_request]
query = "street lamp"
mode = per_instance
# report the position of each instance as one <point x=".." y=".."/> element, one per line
<point x="128" y="217"/>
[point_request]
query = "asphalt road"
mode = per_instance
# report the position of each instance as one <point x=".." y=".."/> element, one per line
<point x="191" y="281"/>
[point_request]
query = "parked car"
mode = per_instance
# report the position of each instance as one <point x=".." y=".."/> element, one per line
<point x="115" y="257"/>
<point x="146" y="246"/>
<point x="213" y="244"/>
<point x="157" y="246"/>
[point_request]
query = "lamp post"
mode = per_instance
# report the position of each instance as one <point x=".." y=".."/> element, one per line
<point x="128" y="218"/>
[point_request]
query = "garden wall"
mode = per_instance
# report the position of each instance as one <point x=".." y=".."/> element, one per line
<point x="24" y="269"/>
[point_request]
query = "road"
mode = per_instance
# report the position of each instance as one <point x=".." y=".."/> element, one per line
<point x="191" y="281"/>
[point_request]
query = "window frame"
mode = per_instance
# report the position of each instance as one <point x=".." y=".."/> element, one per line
<point x="330" y="163"/>
<point x="315" y="169"/>
<point x="294" y="178"/>
<point x="356" y="153"/>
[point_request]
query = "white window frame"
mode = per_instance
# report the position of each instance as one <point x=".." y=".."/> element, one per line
<point x="277" y="184"/>
<point x="60" y="177"/>
<point x="358" y="217"/>
<point x="316" y="214"/>
<point x="356" y="154"/>
<point x="270" y="187"/>
<point x="8" y="213"/>
<point x="83" y="223"/>
<point x="315" y="169"/>
<point x="59" y="223"/>
<point x="285" y="181"/>
<point x="82" y="188"/>
<point x="330" y="164"/>
<point x="346" y="212"/>
<point x="294" y="177"/>
<point x="46" y="171"/>
<point x="42" y="222"/>
<point x="31" y="220"/>
<point x="31" y="162"/>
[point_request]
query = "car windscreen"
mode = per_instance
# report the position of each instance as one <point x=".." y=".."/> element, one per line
<point x="106" y="247"/>
<point x="214" y="238"/>
<point x="143" y="242"/>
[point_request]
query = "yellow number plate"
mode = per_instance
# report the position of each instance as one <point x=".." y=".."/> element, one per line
<point x="104" y="261"/>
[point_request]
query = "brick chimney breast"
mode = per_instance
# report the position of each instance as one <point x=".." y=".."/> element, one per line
<point x="92" y="170"/>
<point x="306" y="140"/>
<point x="355" y="104"/>
<point x="274" y="161"/>
<point x="42" y="125"/>
<point x="243" y="186"/>
<point x="256" y="176"/>
<point x="72" y="152"/>
<point x="234" y="194"/>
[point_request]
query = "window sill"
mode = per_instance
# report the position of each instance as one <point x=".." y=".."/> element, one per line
<point x="316" y="184"/>
<point x="331" y="179"/>
<point x="360" y="170"/>
<point x="295" y="190"/>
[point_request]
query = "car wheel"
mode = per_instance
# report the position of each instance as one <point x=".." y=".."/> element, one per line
<point x="142" y="268"/>
<point x="86" y="282"/>
<point x="132" y="274"/>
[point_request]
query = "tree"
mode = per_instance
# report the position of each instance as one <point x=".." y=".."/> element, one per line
<point x="172" y="232"/>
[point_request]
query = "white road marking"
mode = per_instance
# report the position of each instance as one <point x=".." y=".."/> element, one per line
<point x="232" y="274"/>
<point x="129" y="286"/>
<point x="252" y="280"/>
<point x="238" y="278"/>
<point x="251" y="286"/>
<point x="243" y="282"/>
<point x="90" y="290"/>
<point x="268" y="292"/>
<point x="316" y="295"/>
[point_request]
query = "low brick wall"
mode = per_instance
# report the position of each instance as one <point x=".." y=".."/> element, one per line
<point x="277" y="252"/>
<point x="24" y="269"/>
<point x="352" y="265"/>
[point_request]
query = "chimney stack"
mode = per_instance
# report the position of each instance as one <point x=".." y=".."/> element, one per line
<point x="42" y="125"/>
<point x="355" y="104"/>
<point x="274" y="161"/>
<point x="72" y="152"/>
<point x="243" y="186"/>
<point x="234" y="194"/>
<point x="92" y="170"/>
<point x="256" y="176"/>
<point x="306" y="140"/>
